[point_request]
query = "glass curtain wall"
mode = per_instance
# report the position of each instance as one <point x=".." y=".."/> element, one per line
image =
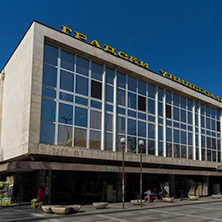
<point x="76" y="112"/>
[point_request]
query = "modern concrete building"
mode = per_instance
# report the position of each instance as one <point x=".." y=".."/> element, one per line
<point x="65" y="103"/>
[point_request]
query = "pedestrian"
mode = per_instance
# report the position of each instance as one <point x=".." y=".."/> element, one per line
<point x="148" y="196"/>
<point x="41" y="195"/>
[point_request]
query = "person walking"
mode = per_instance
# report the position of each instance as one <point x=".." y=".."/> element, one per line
<point x="41" y="195"/>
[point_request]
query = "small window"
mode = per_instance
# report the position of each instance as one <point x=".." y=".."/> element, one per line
<point x="96" y="89"/>
<point x="168" y="111"/>
<point x="141" y="103"/>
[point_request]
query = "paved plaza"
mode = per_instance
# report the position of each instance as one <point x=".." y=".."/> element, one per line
<point x="205" y="209"/>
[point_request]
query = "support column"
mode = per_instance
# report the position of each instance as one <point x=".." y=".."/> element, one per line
<point x="171" y="179"/>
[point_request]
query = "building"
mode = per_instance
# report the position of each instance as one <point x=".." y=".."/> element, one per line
<point x="66" y="102"/>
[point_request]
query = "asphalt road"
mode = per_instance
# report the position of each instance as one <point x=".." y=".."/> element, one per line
<point x="198" y="212"/>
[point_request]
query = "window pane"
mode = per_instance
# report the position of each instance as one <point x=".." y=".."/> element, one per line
<point x="169" y="150"/>
<point x="97" y="71"/>
<point x="183" y="102"/>
<point x="131" y="113"/>
<point x="82" y="101"/>
<point x="131" y="144"/>
<point x="160" y="109"/>
<point x="121" y="99"/>
<point x="109" y="141"/>
<point x="95" y="138"/>
<point x="142" y="88"/>
<point x="109" y="93"/>
<point x="81" y="115"/>
<point x="131" y="127"/>
<point x="132" y="84"/>
<point x="190" y="104"/>
<point x="121" y="124"/>
<point x="151" y="91"/>
<point x="67" y="60"/>
<point x="82" y="66"/>
<point x="169" y="134"/>
<point x="66" y="97"/>
<point x="176" y="151"/>
<point x="66" y="81"/>
<point x="109" y="76"/>
<point x="64" y="136"/>
<point x="47" y="133"/>
<point x="141" y="103"/>
<point x="151" y="130"/>
<point x="49" y="76"/>
<point x="151" y="106"/>
<point x="168" y="97"/>
<point x="142" y="129"/>
<point x="176" y="136"/>
<point x="183" y="116"/>
<point x="132" y="100"/>
<point x="175" y="113"/>
<point x="50" y="54"/>
<point x="65" y="113"/>
<point x="183" y="152"/>
<point x="96" y="104"/>
<point x="160" y="94"/>
<point x="160" y="148"/>
<point x="151" y="147"/>
<point x="96" y="89"/>
<point x="190" y="118"/>
<point x="48" y="92"/>
<point x="95" y="119"/>
<point x="121" y="80"/>
<point x="160" y="133"/>
<point x="108" y="122"/>
<point x="48" y="110"/>
<point x="82" y="85"/>
<point x="175" y="100"/>
<point x="80" y="137"/>
<point x="183" y="137"/>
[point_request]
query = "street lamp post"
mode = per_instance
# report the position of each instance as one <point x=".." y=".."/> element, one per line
<point x="122" y="141"/>
<point x="141" y="143"/>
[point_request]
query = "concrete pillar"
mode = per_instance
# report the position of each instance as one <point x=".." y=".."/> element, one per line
<point x="171" y="179"/>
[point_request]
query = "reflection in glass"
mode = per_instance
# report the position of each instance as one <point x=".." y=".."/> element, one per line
<point x="160" y="148"/>
<point x="142" y="88"/>
<point x="95" y="139"/>
<point x="66" y="97"/>
<point x="168" y="97"/>
<point x="81" y="115"/>
<point x="190" y="104"/>
<point x="49" y="76"/>
<point x="64" y="135"/>
<point x="208" y="155"/>
<point x="131" y="144"/>
<point x="131" y="127"/>
<point x="175" y="113"/>
<point x="132" y="100"/>
<point x="48" y="110"/>
<point x="80" y="137"/>
<point x="151" y="91"/>
<point x="169" y="150"/>
<point x="82" y="85"/>
<point x="203" y="154"/>
<point x="96" y="104"/>
<point x="121" y="98"/>
<point x="160" y="132"/>
<point x="190" y="152"/>
<point x="175" y="100"/>
<point x="151" y="106"/>
<point x="142" y="129"/>
<point x="51" y="93"/>
<point x="132" y="84"/>
<point x="169" y="134"/>
<point x="108" y="122"/>
<point x="81" y="100"/>
<point x="95" y="119"/>
<point x="82" y="66"/>
<point x="66" y="81"/>
<point x="183" y="152"/>
<point x="160" y="109"/>
<point x="176" y="136"/>
<point x="108" y="141"/>
<point x="160" y="94"/>
<point x="65" y="113"/>
<point x="151" y="147"/>
<point x="121" y="80"/>
<point x="67" y="60"/>
<point x="47" y="133"/>
<point x="50" y="54"/>
<point x="109" y="93"/>
<point x="121" y="124"/>
<point x="176" y="151"/>
<point x="183" y="102"/>
<point x="183" y="137"/>
<point x="109" y="76"/>
<point x="151" y="130"/>
<point x="183" y="116"/>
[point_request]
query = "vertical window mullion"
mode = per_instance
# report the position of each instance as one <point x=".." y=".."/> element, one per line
<point x="89" y="100"/>
<point x="115" y="111"/>
<point x="103" y="109"/>
<point x="164" y="122"/>
<point x="57" y="96"/>
<point x="126" y="121"/>
<point x="199" y="132"/>
<point x="194" y="131"/>
<point x="156" y="121"/>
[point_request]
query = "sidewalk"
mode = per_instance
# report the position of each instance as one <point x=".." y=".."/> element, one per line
<point x="117" y="207"/>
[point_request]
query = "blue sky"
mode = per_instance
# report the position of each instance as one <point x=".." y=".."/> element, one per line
<point x="182" y="37"/>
